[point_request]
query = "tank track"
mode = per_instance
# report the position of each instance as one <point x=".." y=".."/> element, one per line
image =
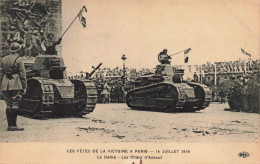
<point x="91" y="100"/>
<point x="164" y="97"/>
<point x="202" y="93"/>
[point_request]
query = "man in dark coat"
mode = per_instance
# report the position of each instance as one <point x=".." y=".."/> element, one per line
<point x="195" y="77"/>
<point x="222" y="95"/>
<point x="231" y="95"/>
<point x="237" y="95"/>
<point x="163" y="57"/>
<point x="13" y="83"/>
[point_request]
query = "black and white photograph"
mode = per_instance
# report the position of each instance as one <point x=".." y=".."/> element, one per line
<point x="129" y="81"/>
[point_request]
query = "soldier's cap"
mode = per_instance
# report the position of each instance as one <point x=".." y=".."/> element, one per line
<point x="165" y="49"/>
<point x="15" y="47"/>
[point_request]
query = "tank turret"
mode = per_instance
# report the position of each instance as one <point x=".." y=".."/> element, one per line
<point x="51" y="92"/>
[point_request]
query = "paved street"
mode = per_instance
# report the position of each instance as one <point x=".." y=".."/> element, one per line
<point x="118" y="123"/>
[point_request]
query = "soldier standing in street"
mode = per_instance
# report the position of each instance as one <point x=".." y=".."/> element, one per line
<point x="238" y="94"/>
<point x="231" y="94"/>
<point x="222" y="95"/>
<point x="245" y="96"/>
<point x="13" y="83"/>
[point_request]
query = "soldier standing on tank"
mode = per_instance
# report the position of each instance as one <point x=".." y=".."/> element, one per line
<point x="13" y="83"/>
<point x="50" y="45"/>
<point x="163" y="57"/>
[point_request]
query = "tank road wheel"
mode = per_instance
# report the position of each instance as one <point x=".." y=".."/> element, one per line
<point x="173" y="93"/>
<point x="36" y="96"/>
<point x="32" y="100"/>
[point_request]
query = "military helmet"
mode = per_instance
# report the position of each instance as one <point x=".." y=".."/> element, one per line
<point x="15" y="47"/>
<point x="165" y="49"/>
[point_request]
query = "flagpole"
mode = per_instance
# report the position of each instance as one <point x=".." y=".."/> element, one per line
<point x="177" y="52"/>
<point x="70" y="24"/>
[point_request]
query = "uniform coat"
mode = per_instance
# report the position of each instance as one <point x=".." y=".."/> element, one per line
<point x="12" y="64"/>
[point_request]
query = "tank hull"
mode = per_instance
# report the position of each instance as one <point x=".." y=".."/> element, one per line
<point x="56" y="97"/>
<point x="50" y="92"/>
<point x="165" y="97"/>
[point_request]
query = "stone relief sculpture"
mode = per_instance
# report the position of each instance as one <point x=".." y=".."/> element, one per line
<point x="27" y="26"/>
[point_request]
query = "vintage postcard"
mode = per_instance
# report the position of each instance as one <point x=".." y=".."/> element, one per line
<point x="129" y="81"/>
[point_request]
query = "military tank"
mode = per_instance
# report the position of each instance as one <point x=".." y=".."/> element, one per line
<point x="166" y="91"/>
<point x="50" y="92"/>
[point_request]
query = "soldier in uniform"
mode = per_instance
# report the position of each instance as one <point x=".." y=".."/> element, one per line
<point x="13" y="83"/>
<point x="195" y="77"/>
<point x="50" y="45"/>
<point x="245" y="96"/>
<point x="222" y="95"/>
<point x="253" y="89"/>
<point x="230" y="94"/>
<point x="237" y="95"/>
<point x="163" y="57"/>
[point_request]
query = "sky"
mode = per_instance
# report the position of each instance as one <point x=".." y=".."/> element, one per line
<point x="215" y="30"/>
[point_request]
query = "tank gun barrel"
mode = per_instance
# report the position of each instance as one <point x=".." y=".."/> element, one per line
<point x="95" y="69"/>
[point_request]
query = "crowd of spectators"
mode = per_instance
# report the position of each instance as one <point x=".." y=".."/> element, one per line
<point x="112" y="83"/>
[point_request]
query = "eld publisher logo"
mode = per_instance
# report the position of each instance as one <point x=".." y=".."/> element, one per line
<point x="243" y="154"/>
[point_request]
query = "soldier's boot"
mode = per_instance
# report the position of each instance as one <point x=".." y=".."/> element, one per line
<point x="15" y="120"/>
<point x="8" y="118"/>
<point x="14" y="126"/>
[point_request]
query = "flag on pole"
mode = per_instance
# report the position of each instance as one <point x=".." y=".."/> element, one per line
<point x="186" y="57"/>
<point x="82" y="19"/>
<point x="246" y="53"/>
<point x="187" y="50"/>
